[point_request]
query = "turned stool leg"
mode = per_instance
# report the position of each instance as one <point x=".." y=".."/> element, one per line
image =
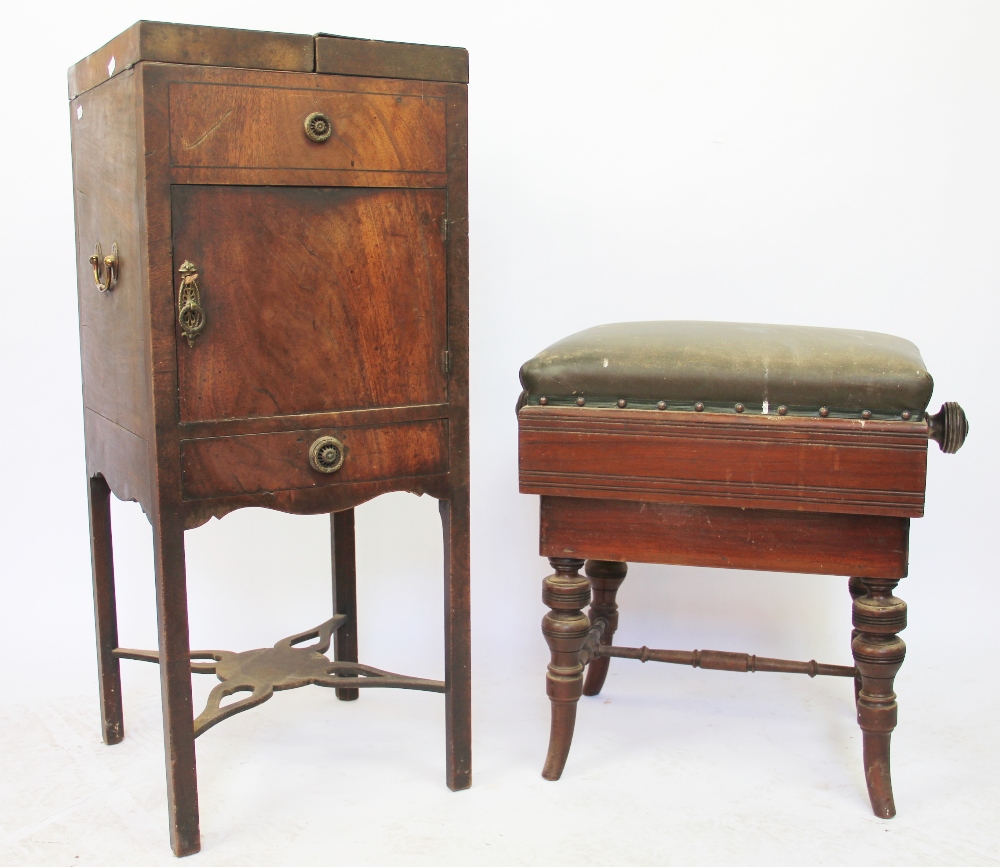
<point x="345" y="592"/>
<point x="606" y="576"/>
<point x="105" y="611"/>
<point x="878" y="654"/>
<point x="856" y="587"/>
<point x="565" y="629"/>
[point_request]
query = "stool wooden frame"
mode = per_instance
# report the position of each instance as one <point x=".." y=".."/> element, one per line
<point x="830" y="496"/>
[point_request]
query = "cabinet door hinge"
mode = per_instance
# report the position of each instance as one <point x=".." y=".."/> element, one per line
<point x="446" y="362"/>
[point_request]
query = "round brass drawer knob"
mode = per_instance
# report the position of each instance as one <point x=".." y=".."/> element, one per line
<point x="326" y="455"/>
<point x="318" y="126"/>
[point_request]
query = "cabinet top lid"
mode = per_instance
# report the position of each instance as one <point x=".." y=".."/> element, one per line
<point x="254" y="49"/>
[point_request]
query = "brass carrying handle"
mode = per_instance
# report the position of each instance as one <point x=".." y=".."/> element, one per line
<point x="948" y="428"/>
<point x="190" y="313"/>
<point x="102" y="264"/>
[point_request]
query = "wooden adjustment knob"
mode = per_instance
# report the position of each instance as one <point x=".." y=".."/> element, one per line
<point x="949" y="427"/>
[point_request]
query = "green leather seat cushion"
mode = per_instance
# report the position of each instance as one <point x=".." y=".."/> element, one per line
<point x="720" y="364"/>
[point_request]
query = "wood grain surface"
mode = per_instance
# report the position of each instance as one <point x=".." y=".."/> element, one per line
<point x="113" y="339"/>
<point x="214" y="125"/>
<point x="105" y="612"/>
<point x="343" y="561"/>
<point x="320" y="500"/>
<point x="120" y="457"/>
<point x="344" y="56"/>
<point x="192" y="44"/>
<point x="337" y="303"/>
<point x="260" y="463"/>
<point x="316" y="299"/>
<point x="825" y="465"/>
<point x="314" y="420"/>
<point x="688" y="535"/>
<point x="305" y="177"/>
<point x="187" y="44"/>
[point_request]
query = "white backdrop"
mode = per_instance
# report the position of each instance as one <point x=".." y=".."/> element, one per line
<point x="813" y="163"/>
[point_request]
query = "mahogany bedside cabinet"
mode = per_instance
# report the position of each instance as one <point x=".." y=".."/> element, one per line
<point x="272" y="244"/>
<point x="761" y="447"/>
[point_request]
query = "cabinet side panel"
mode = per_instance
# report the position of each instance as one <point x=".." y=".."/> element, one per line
<point x="114" y="323"/>
<point x="120" y="456"/>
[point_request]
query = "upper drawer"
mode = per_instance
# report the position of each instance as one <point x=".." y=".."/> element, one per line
<point x="235" y="126"/>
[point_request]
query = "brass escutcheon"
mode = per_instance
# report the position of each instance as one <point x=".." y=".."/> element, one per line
<point x="318" y="127"/>
<point x="190" y="313"/>
<point x="326" y="455"/>
<point x="102" y="263"/>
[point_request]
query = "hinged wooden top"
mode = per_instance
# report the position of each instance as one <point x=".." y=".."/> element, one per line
<point x="252" y="49"/>
<point x="345" y="55"/>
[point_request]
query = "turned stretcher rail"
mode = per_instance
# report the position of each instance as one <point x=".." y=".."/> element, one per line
<point x="721" y="660"/>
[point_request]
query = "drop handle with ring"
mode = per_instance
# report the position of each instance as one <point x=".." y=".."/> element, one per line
<point x="105" y="268"/>
<point x="190" y="313"/>
<point x="326" y="455"/>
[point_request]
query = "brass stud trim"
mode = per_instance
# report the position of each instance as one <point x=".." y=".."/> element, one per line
<point x="597" y="401"/>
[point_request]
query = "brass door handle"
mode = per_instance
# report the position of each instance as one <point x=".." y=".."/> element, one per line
<point x="105" y="268"/>
<point x="190" y="313"/>
<point x="326" y="455"/>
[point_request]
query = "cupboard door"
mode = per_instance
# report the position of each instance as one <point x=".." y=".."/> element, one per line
<point x="315" y="299"/>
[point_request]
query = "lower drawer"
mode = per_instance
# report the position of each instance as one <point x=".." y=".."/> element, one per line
<point x="261" y="463"/>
